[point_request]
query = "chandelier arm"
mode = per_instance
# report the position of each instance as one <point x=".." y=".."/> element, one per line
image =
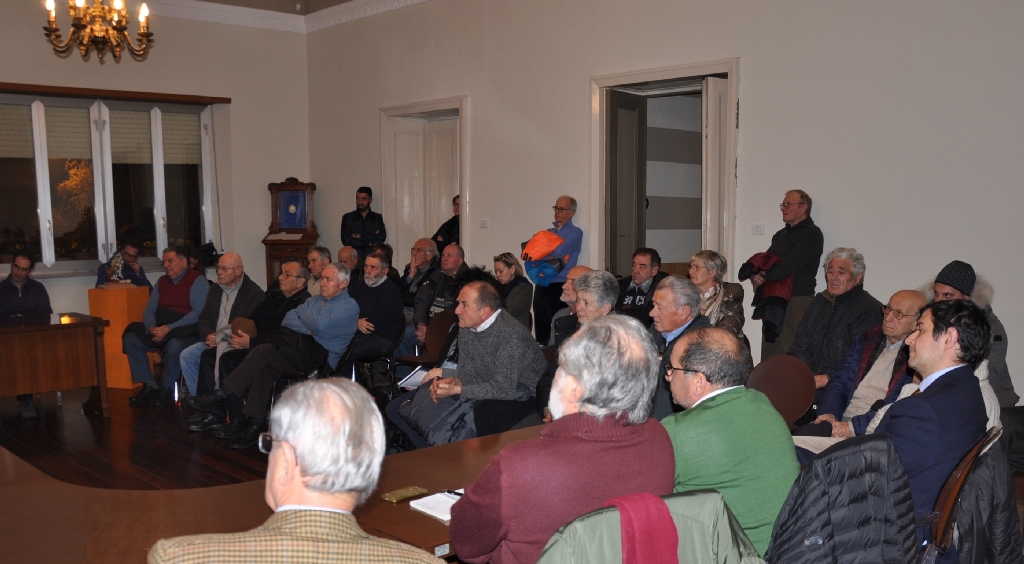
<point x="137" y="51"/>
<point x="53" y="35"/>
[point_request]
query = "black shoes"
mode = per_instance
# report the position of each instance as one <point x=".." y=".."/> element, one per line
<point x="235" y="429"/>
<point x="210" y="402"/>
<point x="165" y="398"/>
<point x="205" y="421"/>
<point x="28" y="411"/>
<point x="145" y="396"/>
<point x="249" y="438"/>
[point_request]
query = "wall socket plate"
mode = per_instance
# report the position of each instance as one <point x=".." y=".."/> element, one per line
<point x="758" y="229"/>
<point x="485" y="223"/>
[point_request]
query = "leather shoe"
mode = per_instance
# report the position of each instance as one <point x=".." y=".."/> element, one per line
<point x="210" y="402"/>
<point x="145" y="396"/>
<point x="233" y="430"/>
<point x="195" y="417"/>
<point x="248" y="439"/>
<point x="208" y="421"/>
<point x="164" y="398"/>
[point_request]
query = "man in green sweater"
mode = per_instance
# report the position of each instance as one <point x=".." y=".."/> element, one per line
<point x="729" y="438"/>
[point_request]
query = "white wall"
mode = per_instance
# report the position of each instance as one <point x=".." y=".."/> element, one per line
<point x="902" y="119"/>
<point x="262" y="136"/>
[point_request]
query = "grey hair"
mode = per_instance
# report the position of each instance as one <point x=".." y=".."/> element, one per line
<point x="684" y="292"/>
<point x="337" y="433"/>
<point x="850" y="254"/>
<point x="614" y="360"/>
<point x="718" y="355"/>
<point x="343" y="271"/>
<point x="303" y="269"/>
<point x="572" y="201"/>
<point x="385" y="262"/>
<point x="431" y="248"/>
<point x="600" y="284"/>
<point x="714" y="261"/>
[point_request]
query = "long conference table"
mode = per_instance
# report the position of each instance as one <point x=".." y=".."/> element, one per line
<point x="445" y="467"/>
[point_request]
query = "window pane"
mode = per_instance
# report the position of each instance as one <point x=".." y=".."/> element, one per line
<point x="183" y="160"/>
<point x="131" y="157"/>
<point x="19" y="223"/>
<point x="72" y="192"/>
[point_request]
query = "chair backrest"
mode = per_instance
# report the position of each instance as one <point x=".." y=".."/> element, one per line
<point x="788" y="383"/>
<point x="437" y="331"/>
<point x="947" y="504"/>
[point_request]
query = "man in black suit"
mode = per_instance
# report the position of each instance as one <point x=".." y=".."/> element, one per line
<point x="675" y="310"/>
<point x="934" y="429"/>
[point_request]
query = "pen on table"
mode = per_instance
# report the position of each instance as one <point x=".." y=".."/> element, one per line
<point x="452" y="492"/>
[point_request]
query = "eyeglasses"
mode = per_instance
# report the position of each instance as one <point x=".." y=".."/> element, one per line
<point x="286" y="276"/>
<point x="899" y="315"/>
<point x="697" y="267"/>
<point x="266" y="442"/>
<point x="558" y="209"/>
<point x="129" y="256"/>
<point x="226" y="268"/>
<point x="669" y="369"/>
<point x="419" y="250"/>
<point x="786" y="205"/>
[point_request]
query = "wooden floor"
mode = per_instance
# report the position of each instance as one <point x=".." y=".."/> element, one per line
<point x="136" y="449"/>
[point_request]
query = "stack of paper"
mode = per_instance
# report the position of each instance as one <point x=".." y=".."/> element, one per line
<point x="438" y="506"/>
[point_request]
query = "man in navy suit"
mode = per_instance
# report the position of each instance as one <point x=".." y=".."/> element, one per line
<point x="934" y="429"/>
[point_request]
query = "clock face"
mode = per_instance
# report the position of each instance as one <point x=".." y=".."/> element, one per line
<point x="291" y="209"/>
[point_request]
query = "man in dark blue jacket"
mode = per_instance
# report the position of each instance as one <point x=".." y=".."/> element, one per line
<point x="362" y="227"/>
<point x="934" y="429"/>
<point x="21" y="295"/>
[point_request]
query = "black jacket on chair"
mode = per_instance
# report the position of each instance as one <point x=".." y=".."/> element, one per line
<point x="989" y="530"/>
<point x="852" y="503"/>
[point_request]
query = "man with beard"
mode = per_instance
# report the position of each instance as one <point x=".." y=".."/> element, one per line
<point x="381" y="321"/>
<point x="362" y="227"/>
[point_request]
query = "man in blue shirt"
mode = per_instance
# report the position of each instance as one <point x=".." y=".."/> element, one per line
<point x="546" y="299"/>
<point x="321" y="329"/>
<point x="124" y="265"/>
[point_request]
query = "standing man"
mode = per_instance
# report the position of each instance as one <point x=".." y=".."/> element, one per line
<point x="675" y="310"/>
<point x="20" y="295"/>
<point x="799" y="244"/>
<point x="448" y="233"/>
<point x="934" y="429"/>
<point x="546" y="298"/>
<point x="169" y="323"/>
<point x="362" y="228"/>
<point x="234" y="295"/>
<point x="636" y="291"/>
<point x="124" y="265"/>
<point x="318" y="258"/>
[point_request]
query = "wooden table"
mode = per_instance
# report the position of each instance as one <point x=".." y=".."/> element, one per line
<point x="120" y="304"/>
<point x="446" y="467"/>
<point x="51" y="353"/>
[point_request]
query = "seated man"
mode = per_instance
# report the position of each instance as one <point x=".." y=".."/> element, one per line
<point x="321" y="329"/>
<point x="499" y="363"/>
<point x="875" y="369"/>
<point x="933" y="430"/>
<point x="349" y="258"/>
<point x="836" y="316"/>
<point x="601" y="445"/>
<point x="675" y="311"/>
<point x="124" y="265"/>
<point x="436" y="293"/>
<point x="635" y="292"/>
<point x="288" y="294"/>
<point x="21" y="295"/>
<point x="234" y="295"/>
<point x="422" y="263"/>
<point x="169" y="324"/>
<point x="730" y="438"/>
<point x="381" y="321"/>
<point x="325" y="458"/>
<point x="318" y="258"/>
<point x="564" y="322"/>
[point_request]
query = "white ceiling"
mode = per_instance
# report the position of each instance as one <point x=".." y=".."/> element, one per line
<point x="301" y="7"/>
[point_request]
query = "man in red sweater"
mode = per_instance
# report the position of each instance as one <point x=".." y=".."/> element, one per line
<point x="601" y="445"/>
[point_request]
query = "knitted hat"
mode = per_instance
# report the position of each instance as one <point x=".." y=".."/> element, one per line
<point x="959" y="275"/>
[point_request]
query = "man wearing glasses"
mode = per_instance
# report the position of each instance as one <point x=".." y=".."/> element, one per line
<point x="675" y="310"/>
<point x="547" y="299"/>
<point x="799" y="244"/>
<point x="325" y="457"/>
<point x="124" y="266"/>
<point x="234" y="295"/>
<point x="730" y="438"/>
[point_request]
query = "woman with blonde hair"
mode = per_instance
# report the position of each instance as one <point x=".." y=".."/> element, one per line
<point x="515" y="289"/>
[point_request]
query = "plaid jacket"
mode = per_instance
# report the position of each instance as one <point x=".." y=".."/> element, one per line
<point x="304" y="536"/>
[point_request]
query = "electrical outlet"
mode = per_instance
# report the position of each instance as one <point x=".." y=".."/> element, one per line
<point x="484" y="223"/>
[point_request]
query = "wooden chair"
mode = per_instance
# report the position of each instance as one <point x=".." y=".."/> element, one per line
<point x="943" y="517"/>
<point x="787" y="382"/>
<point x="437" y="332"/>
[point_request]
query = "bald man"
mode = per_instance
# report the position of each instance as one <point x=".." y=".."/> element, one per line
<point x="234" y="295"/>
<point x="565" y="322"/>
<point x="875" y="368"/>
<point x="349" y="257"/>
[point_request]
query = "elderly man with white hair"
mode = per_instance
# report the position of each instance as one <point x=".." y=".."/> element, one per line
<point x="602" y="445"/>
<point x="836" y="316"/>
<point x="325" y="456"/>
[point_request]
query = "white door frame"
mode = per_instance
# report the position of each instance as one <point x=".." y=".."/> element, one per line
<point x="418" y="109"/>
<point x="599" y="86"/>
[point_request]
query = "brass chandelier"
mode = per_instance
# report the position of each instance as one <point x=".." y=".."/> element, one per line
<point x="100" y="27"/>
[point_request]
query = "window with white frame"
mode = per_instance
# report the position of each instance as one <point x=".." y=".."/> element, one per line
<point x="79" y="177"/>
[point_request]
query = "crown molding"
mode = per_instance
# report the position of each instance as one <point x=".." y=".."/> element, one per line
<point x="266" y="19"/>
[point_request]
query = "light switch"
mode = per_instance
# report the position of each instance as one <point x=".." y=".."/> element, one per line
<point x="758" y="229"/>
<point x="484" y="223"/>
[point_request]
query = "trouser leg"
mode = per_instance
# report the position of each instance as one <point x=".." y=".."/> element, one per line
<point x="189" y="361"/>
<point x="138" y="362"/>
<point x="396" y="417"/>
<point x="172" y="358"/>
<point x="365" y="346"/>
<point x="229" y="361"/>
<point x="407" y="347"/>
<point x="257" y="375"/>
<point x="794" y="313"/>
<point x="205" y="381"/>
<point x="545" y="303"/>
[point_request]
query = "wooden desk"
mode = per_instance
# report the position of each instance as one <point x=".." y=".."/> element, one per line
<point x="120" y="304"/>
<point x="51" y="353"/>
<point x="446" y="467"/>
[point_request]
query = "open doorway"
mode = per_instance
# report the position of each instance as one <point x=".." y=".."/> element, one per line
<point x="422" y="160"/>
<point x="667" y="158"/>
